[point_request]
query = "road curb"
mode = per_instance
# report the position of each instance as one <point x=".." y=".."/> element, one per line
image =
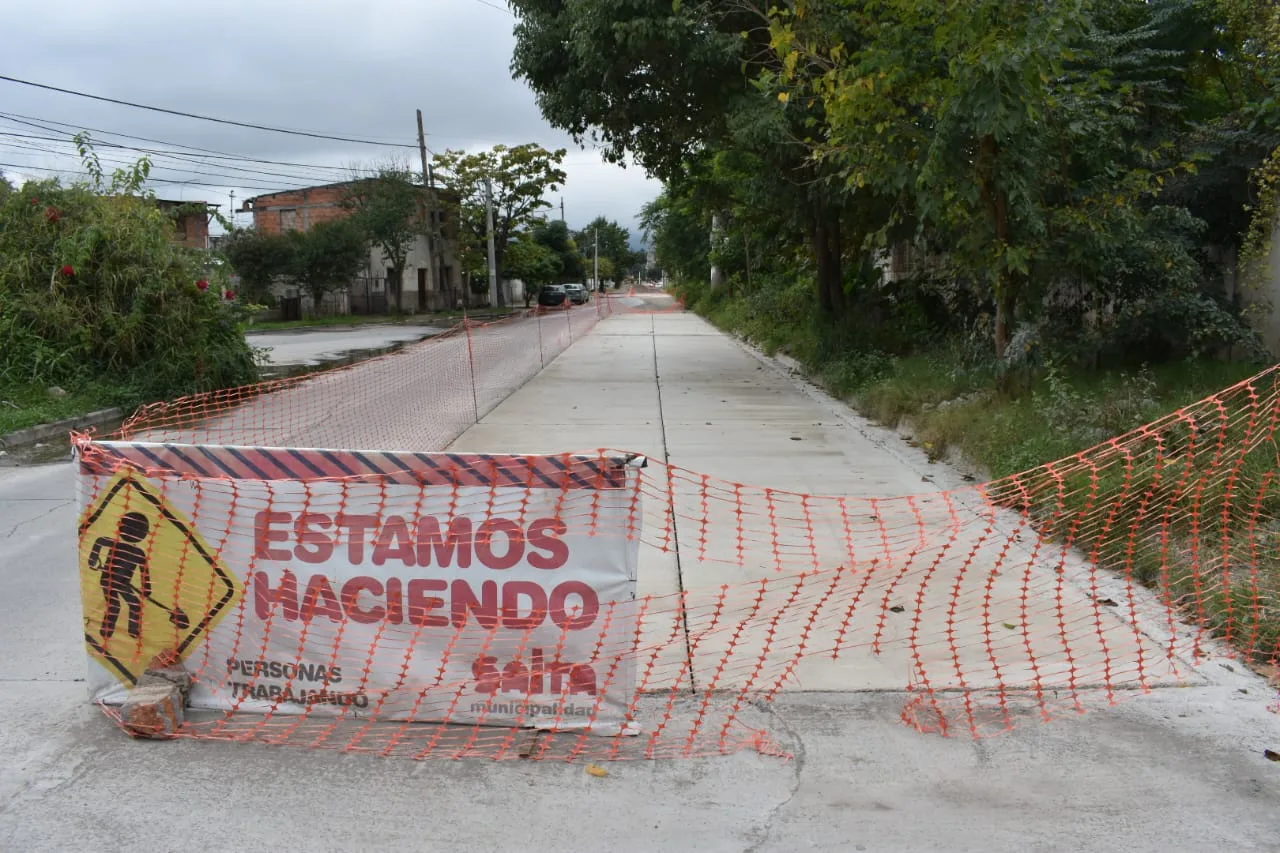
<point x="41" y="432"/>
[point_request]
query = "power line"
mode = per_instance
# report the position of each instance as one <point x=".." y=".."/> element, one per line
<point x="25" y="167"/>
<point x="496" y="6"/>
<point x="199" y="117"/>
<point x="160" y="153"/>
<point x="296" y="181"/>
<point x="31" y="121"/>
<point x="41" y="124"/>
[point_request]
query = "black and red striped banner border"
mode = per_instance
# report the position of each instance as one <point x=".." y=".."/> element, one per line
<point x="221" y="462"/>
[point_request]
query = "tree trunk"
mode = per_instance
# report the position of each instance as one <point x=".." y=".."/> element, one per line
<point x="499" y="241"/>
<point x="827" y="251"/>
<point x="396" y="286"/>
<point x="717" y="274"/>
<point x="997" y="203"/>
<point x="1004" y="321"/>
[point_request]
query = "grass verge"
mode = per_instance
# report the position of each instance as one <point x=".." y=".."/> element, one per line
<point x="23" y="406"/>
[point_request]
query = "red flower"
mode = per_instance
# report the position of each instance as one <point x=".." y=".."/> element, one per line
<point x="68" y="271"/>
<point x="35" y="202"/>
<point x="52" y="214"/>
<point x="231" y="294"/>
<point x="202" y="285"/>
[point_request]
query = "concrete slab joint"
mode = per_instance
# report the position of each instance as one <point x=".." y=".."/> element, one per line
<point x="156" y="706"/>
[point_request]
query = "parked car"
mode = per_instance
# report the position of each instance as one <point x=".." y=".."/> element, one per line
<point x="552" y="295"/>
<point x="577" y="293"/>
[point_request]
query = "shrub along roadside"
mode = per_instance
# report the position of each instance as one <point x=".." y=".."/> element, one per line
<point x="1209" y="550"/>
<point x="97" y="299"/>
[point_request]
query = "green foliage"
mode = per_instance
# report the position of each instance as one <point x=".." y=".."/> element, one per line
<point x="389" y="209"/>
<point x="653" y="80"/>
<point x="328" y="256"/>
<point x="92" y="287"/>
<point x="259" y="259"/>
<point x="516" y="179"/>
<point x="531" y="262"/>
<point x="555" y="236"/>
<point x="614" y="243"/>
<point x="24" y="404"/>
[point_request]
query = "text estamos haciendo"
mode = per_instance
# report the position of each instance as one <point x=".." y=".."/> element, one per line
<point x="496" y="544"/>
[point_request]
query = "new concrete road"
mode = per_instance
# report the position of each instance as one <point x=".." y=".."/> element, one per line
<point x="318" y="345"/>
<point x="1181" y="769"/>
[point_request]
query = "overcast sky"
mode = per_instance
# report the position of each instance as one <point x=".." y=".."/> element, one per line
<point x="354" y="69"/>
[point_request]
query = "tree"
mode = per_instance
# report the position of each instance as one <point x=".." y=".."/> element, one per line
<point x="555" y="236"/>
<point x="389" y="208"/>
<point x="614" y="243"/>
<point x="531" y="262"/>
<point x="1012" y="130"/>
<point x="673" y="84"/>
<point x="259" y="259"/>
<point x="608" y="272"/>
<point x="519" y="179"/>
<point x="1256" y="27"/>
<point x="328" y="256"/>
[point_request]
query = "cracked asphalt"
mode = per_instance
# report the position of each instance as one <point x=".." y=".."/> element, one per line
<point x="1180" y="769"/>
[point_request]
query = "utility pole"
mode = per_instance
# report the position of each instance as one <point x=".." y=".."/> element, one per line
<point x="430" y="211"/>
<point x="562" y="208"/>
<point x="596" y="263"/>
<point x="231" y="211"/>
<point x="494" y="299"/>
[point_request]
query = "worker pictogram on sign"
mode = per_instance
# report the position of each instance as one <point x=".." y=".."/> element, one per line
<point x="149" y="581"/>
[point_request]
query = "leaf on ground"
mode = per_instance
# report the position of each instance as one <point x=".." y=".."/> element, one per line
<point x="1271" y="755"/>
<point x="1106" y="602"/>
<point x="897" y="608"/>
<point x="597" y="771"/>
<point x="1011" y="626"/>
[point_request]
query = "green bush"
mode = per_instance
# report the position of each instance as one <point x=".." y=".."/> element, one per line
<point x="93" y="289"/>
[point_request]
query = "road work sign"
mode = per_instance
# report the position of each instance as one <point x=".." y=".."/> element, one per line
<point x="148" y="579"/>
<point x="426" y="587"/>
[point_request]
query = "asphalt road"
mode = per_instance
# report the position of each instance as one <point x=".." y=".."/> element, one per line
<point x="315" y="346"/>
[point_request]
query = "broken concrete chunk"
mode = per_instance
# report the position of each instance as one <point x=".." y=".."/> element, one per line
<point x="165" y="670"/>
<point x="154" y="710"/>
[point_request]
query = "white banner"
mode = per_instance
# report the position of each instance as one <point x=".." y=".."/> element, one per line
<point x="369" y="597"/>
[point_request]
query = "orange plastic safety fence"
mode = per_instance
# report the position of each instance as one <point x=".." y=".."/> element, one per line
<point x="1069" y="586"/>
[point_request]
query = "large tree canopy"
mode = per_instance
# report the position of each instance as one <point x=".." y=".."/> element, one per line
<point x="1074" y="173"/>
<point x="673" y="85"/>
<point x="518" y="180"/>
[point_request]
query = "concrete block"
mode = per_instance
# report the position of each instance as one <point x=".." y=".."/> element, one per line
<point x="155" y="710"/>
<point x="174" y="676"/>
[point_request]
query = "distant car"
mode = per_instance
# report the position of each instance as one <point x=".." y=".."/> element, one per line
<point x="552" y="295"/>
<point x="577" y="293"/>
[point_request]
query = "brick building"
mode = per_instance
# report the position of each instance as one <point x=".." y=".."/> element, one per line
<point x="192" y="221"/>
<point x="425" y="289"/>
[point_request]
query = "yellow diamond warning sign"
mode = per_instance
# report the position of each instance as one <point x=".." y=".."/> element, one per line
<point x="149" y="581"/>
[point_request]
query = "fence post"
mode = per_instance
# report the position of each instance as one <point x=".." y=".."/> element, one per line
<point x="537" y="318"/>
<point x="471" y="362"/>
